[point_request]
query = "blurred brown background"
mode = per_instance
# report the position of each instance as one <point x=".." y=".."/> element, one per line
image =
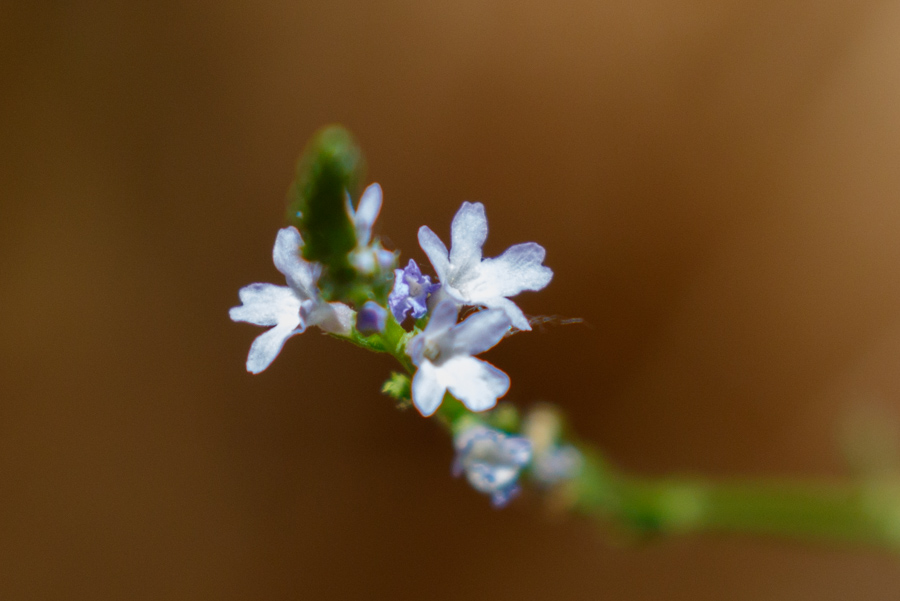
<point x="718" y="189"/>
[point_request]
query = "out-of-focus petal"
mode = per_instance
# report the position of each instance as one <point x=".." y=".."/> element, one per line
<point x="300" y="275"/>
<point x="476" y="383"/>
<point x="502" y="497"/>
<point x="479" y="332"/>
<point x="467" y="235"/>
<point x="366" y="214"/>
<point x="442" y="318"/>
<point x="436" y="251"/>
<point x="427" y="389"/>
<point x="266" y="305"/>
<point x="518" y="268"/>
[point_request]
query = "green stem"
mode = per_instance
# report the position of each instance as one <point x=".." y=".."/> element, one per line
<point x="860" y="512"/>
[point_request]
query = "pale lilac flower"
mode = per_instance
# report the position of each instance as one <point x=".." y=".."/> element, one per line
<point x="410" y="293"/>
<point x="290" y="309"/>
<point x="555" y="464"/>
<point x="443" y="354"/>
<point x="469" y="279"/>
<point x="366" y="257"/>
<point x="371" y="318"/>
<point x="491" y="461"/>
<point x="552" y="462"/>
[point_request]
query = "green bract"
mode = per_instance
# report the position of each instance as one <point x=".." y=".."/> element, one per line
<point x="329" y="169"/>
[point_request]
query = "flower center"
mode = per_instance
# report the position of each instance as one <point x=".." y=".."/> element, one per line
<point x="431" y="351"/>
<point x="415" y="288"/>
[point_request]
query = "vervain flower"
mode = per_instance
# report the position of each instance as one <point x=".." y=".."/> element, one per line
<point x="552" y="462"/>
<point x="290" y="309"/>
<point x="410" y="293"/>
<point x="443" y="354"/>
<point x="556" y="464"/>
<point x="368" y="257"/>
<point x="491" y="461"/>
<point x="469" y="279"/>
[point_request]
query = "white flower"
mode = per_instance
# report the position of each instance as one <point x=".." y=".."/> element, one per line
<point x="471" y="280"/>
<point x="443" y="354"/>
<point x="491" y="461"/>
<point x="366" y="257"/>
<point x="552" y="462"/>
<point x="292" y="308"/>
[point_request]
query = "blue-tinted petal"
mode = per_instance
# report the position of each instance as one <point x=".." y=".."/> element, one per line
<point x="436" y="251"/>
<point x="479" y="332"/>
<point x="467" y="235"/>
<point x="427" y="389"/>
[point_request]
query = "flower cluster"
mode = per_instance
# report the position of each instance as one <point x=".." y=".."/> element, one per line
<point x="346" y="296"/>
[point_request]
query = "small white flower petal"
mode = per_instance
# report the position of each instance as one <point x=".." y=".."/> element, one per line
<point x="427" y="389"/>
<point x="267" y="346"/>
<point x="518" y="268"/>
<point x="435" y="251"/>
<point x="366" y="214"/>
<point x="335" y="318"/>
<point x="511" y="309"/>
<point x="266" y="305"/>
<point x="479" y="332"/>
<point x="300" y="275"/>
<point x="476" y="383"/>
<point x="467" y="235"/>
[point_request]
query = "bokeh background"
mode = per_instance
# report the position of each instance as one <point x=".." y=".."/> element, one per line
<point x="717" y="186"/>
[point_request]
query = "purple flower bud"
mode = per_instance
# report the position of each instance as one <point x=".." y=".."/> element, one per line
<point x="371" y="318"/>
<point x="410" y="293"/>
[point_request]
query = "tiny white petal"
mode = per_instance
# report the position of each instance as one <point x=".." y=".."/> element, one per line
<point x="479" y="332"/>
<point x="267" y="346"/>
<point x="366" y="213"/>
<point x="511" y="309"/>
<point x="427" y="389"/>
<point x="266" y="305"/>
<point x="476" y="383"/>
<point x="436" y="251"/>
<point x="467" y="235"/>
<point x="518" y="268"/>
<point x="300" y="275"/>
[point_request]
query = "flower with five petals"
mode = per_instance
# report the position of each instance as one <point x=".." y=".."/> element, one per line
<point x="443" y="353"/>
<point x="469" y="279"/>
<point x="290" y="309"/>
<point x="491" y="461"/>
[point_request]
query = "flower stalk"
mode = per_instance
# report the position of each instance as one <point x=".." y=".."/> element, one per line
<point x="341" y="279"/>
